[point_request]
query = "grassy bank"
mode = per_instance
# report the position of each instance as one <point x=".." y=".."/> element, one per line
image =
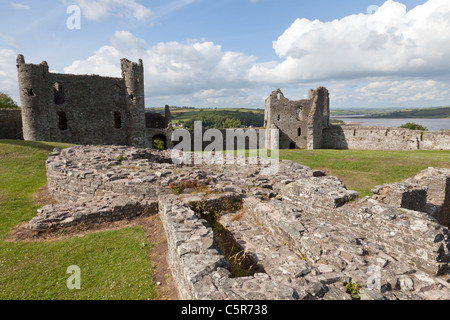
<point x="114" y="264"/>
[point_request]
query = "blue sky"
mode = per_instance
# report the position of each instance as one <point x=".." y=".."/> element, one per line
<point x="233" y="53"/>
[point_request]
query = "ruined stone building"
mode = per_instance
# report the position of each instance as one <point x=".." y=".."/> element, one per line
<point x="88" y="109"/>
<point x="305" y="124"/>
<point x="301" y="123"/>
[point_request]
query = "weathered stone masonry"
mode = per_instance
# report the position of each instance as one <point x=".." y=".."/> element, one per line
<point x="300" y="122"/>
<point x="88" y="109"/>
<point x="384" y="138"/>
<point x="305" y="124"/>
<point x="306" y="231"/>
<point x="10" y="124"/>
<point x="82" y="109"/>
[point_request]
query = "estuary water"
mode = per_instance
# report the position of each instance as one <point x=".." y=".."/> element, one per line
<point x="430" y="124"/>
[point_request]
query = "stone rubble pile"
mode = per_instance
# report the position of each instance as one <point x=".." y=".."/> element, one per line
<point x="305" y="231"/>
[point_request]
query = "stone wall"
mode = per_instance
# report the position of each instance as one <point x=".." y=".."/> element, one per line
<point x="437" y="182"/>
<point x="384" y="138"/>
<point x="107" y="172"/>
<point x="300" y="122"/>
<point x="10" y="124"/>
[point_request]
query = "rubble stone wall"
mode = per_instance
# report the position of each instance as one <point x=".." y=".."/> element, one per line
<point x="11" y="124"/>
<point x="384" y="138"/>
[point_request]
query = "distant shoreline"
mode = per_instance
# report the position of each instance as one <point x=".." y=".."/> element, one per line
<point x="430" y="124"/>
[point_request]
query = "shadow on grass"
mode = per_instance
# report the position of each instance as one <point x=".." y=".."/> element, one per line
<point x="47" y="146"/>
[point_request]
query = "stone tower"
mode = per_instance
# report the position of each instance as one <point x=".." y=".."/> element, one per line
<point x="82" y="109"/>
<point x="300" y="123"/>
<point x="34" y="99"/>
<point x="133" y="76"/>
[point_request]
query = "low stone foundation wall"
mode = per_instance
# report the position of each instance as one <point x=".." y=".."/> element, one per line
<point x="120" y="170"/>
<point x="108" y="208"/>
<point x="402" y="195"/>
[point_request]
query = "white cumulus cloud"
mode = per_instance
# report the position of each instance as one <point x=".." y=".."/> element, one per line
<point x="391" y="41"/>
<point x="8" y="73"/>
<point x="172" y="68"/>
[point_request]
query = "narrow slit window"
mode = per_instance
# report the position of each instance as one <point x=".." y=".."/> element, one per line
<point x="299" y="132"/>
<point x="279" y="117"/>
<point x="62" y="121"/>
<point x="117" y="120"/>
<point x="58" y="92"/>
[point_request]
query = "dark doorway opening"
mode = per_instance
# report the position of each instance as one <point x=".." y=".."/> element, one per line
<point x="62" y="121"/>
<point x="117" y="120"/>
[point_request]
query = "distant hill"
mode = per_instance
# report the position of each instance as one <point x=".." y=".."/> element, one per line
<point x="422" y="113"/>
<point x="214" y="117"/>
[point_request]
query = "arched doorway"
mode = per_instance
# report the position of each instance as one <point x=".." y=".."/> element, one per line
<point x="159" y="142"/>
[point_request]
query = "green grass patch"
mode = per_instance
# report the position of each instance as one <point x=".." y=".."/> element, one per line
<point x="114" y="264"/>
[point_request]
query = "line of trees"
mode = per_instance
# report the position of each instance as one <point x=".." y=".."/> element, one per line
<point x="225" y="120"/>
<point x="6" y="102"/>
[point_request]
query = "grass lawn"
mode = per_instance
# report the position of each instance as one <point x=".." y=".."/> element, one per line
<point x="113" y="264"/>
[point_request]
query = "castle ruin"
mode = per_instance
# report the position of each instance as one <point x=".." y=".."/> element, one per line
<point x="88" y="109"/>
<point x="305" y="124"/>
<point x="304" y="232"/>
<point x="300" y="123"/>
